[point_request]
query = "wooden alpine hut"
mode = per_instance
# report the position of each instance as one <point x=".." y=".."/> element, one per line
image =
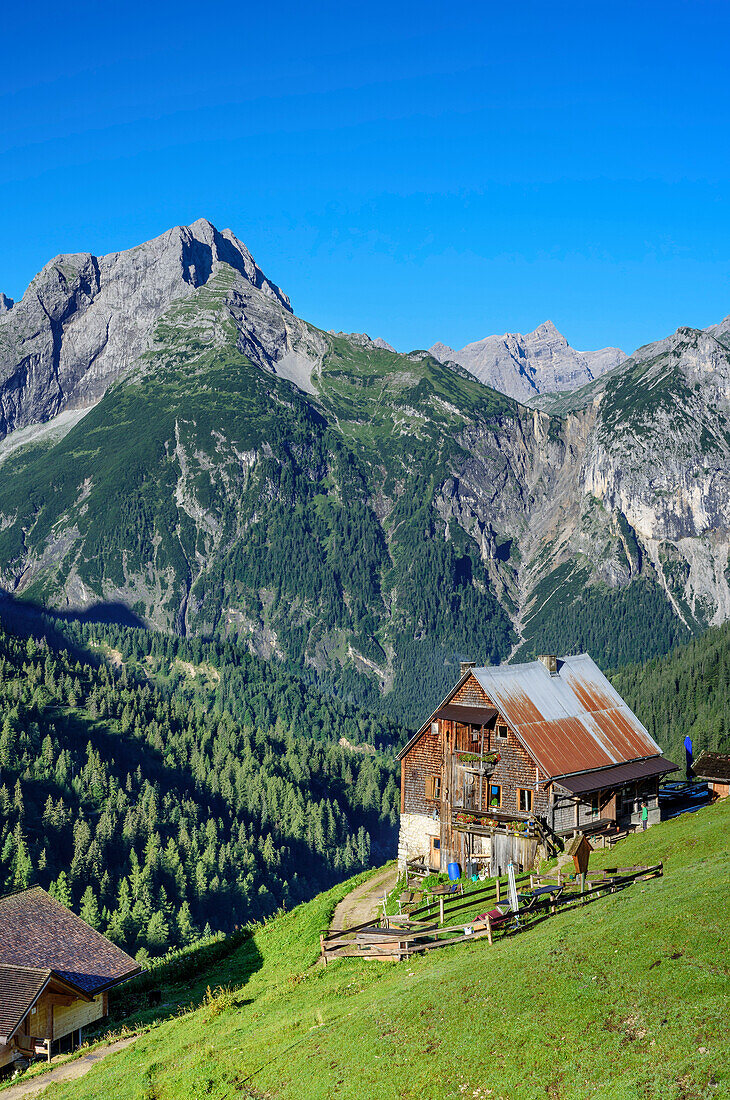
<point x="515" y="752"/>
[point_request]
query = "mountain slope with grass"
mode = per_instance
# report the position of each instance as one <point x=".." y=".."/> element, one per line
<point x="230" y="470"/>
<point x="625" y="999"/>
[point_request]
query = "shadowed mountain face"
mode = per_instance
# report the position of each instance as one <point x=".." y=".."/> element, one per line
<point x="523" y="366"/>
<point x="218" y="465"/>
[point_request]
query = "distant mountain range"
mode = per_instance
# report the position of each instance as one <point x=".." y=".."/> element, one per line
<point x="524" y="366"/>
<point x="179" y="449"/>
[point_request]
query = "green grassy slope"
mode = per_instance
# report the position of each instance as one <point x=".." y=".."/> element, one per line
<point x="625" y="999"/>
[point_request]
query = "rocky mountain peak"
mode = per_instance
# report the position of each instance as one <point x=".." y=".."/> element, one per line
<point x="85" y="320"/>
<point x="522" y="366"/>
<point x="547" y="331"/>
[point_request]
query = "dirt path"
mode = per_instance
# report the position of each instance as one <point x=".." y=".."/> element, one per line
<point x="69" y="1071"/>
<point x="362" y="903"/>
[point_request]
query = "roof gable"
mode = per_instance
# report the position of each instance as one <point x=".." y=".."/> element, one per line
<point x="20" y="988"/>
<point x="570" y="721"/>
<point x="38" y="932"/>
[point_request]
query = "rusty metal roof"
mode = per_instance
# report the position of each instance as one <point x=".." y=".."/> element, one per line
<point x="569" y="721"/>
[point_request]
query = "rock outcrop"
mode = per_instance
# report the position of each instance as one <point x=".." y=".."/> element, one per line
<point x="524" y="366"/>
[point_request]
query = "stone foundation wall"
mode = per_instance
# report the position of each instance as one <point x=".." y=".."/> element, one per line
<point x="414" y="838"/>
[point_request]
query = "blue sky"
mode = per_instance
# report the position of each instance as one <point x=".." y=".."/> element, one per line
<point x="417" y="171"/>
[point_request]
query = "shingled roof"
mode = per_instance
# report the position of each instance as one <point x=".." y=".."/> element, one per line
<point x="37" y="932"/>
<point x="20" y="988"/>
<point x="713" y="766"/>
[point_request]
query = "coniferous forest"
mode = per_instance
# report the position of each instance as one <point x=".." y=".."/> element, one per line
<point x="686" y="692"/>
<point x="168" y="789"/>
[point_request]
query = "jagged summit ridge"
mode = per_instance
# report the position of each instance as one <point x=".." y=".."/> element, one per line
<point x="85" y="320"/>
<point x="523" y="366"/>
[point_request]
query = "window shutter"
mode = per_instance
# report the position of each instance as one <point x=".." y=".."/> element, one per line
<point x="429" y="786"/>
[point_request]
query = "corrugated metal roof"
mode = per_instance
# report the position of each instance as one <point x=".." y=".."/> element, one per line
<point x="570" y="721"/>
<point x="604" y="778"/>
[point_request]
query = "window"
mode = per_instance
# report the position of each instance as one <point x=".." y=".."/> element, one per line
<point x="596" y="804"/>
<point x="495" y="795"/>
<point x="524" y="801"/>
<point x="501" y="733"/>
<point x="433" y="787"/>
<point x="435" y="729"/>
<point x="627" y="799"/>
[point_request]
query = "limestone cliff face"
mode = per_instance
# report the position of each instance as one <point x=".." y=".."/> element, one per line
<point x="660" y="455"/>
<point x="86" y="320"/>
<point x="635" y="479"/>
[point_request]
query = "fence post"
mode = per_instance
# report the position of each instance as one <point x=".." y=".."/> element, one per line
<point x="441" y="909"/>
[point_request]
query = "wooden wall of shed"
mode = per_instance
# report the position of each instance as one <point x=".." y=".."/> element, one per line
<point x="40" y="1020"/>
<point x="471" y="694"/>
<point x="79" y="1014"/>
<point x="7" y="1054"/>
<point x="516" y="768"/>
<point x="424" y="760"/>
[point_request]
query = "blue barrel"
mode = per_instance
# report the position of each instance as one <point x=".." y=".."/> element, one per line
<point x="454" y="872"/>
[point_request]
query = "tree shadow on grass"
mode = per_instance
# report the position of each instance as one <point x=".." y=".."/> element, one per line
<point x="213" y="974"/>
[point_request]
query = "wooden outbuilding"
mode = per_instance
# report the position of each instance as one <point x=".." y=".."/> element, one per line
<point x="579" y="849"/>
<point x="714" y="767"/>
<point x="55" y="973"/>
<point x="517" y="752"/>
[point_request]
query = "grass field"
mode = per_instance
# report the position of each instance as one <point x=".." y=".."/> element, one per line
<point x="626" y="998"/>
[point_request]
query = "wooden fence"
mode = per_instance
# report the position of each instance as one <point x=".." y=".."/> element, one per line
<point x="397" y="937"/>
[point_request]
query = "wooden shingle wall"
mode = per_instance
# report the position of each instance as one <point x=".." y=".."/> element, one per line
<point x="516" y="767"/>
<point x="423" y="761"/>
<point x="79" y="1014"/>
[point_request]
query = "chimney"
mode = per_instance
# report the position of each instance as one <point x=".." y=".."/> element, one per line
<point x="550" y="661"/>
<point x="466" y="665"/>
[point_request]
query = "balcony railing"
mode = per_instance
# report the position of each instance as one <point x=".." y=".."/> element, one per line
<point x="478" y="763"/>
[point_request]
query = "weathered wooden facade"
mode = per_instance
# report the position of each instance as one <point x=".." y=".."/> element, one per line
<point x="518" y="751"/>
<point x="55" y="971"/>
